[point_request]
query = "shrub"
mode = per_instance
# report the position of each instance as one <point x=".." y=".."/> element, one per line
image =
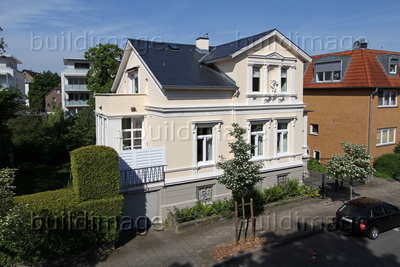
<point x="314" y="165"/>
<point x="59" y="224"/>
<point x="291" y="186"/>
<point x="382" y="175"/>
<point x="388" y="164"/>
<point x="396" y="149"/>
<point x="95" y="172"/>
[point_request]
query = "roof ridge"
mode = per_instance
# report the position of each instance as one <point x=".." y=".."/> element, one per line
<point x="366" y="67"/>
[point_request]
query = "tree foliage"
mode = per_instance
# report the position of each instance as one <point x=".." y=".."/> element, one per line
<point x="240" y="173"/>
<point x="82" y="132"/>
<point x="41" y="85"/>
<point x="3" y="45"/>
<point x="10" y="103"/>
<point x="105" y="62"/>
<point x="354" y="165"/>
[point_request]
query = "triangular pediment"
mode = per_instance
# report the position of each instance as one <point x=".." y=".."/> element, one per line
<point x="275" y="55"/>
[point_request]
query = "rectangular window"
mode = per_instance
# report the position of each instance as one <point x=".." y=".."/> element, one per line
<point x="256" y="79"/>
<point x="386" y="136"/>
<point x="204" y="144"/>
<point x="387" y="98"/>
<point x="314" y="129"/>
<point x="393" y="66"/>
<point x="133" y="83"/>
<point x="282" y="179"/>
<point x="336" y="75"/>
<point x="131" y="133"/>
<point x="317" y="155"/>
<point x="283" y="80"/>
<point x="257" y="136"/>
<point x="282" y="138"/>
<point x="204" y="194"/>
<point x="328" y="71"/>
<point x="82" y="66"/>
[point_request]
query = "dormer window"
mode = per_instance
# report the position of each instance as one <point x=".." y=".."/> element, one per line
<point x="328" y="71"/>
<point x="393" y="66"/>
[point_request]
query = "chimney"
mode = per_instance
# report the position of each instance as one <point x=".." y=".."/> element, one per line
<point x="363" y="43"/>
<point x="202" y="44"/>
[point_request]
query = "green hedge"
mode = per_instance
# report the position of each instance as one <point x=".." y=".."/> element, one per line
<point x="55" y="202"/>
<point x="95" y="172"/>
<point x="388" y="164"/>
<point x="59" y="224"/>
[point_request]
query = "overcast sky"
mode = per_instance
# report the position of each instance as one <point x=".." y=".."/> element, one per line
<point x="41" y="33"/>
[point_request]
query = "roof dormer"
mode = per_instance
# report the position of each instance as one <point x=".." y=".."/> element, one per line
<point x="330" y="68"/>
<point x="390" y="64"/>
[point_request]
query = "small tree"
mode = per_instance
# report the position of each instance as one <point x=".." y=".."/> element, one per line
<point x="240" y="173"/>
<point x="354" y="165"/>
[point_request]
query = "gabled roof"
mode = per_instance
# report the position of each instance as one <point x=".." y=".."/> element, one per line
<point x="364" y="70"/>
<point x="177" y="65"/>
<point x="30" y="72"/>
<point x="182" y="66"/>
<point x="229" y="49"/>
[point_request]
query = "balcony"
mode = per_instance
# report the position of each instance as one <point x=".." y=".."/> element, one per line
<point x="141" y="166"/>
<point x="76" y="103"/>
<point x="141" y="176"/>
<point x="75" y="87"/>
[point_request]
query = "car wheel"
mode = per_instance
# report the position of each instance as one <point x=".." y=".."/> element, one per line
<point x="373" y="233"/>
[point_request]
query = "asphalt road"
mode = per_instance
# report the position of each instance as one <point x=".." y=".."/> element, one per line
<point x="332" y="249"/>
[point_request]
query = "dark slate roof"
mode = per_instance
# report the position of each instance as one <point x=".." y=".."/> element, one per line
<point x="229" y="49"/>
<point x="177" y="65"/>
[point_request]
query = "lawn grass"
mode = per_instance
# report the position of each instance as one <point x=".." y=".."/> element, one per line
<point x="41" y="178"/>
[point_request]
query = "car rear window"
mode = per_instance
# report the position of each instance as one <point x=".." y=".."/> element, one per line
<point x="353" y="211"/>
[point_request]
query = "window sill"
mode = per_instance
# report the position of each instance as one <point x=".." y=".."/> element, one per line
<point x="205" y="164"/>
<point x="315" y="134"/>
<point x="389" y="106"/>
<point x="386" y="144"/>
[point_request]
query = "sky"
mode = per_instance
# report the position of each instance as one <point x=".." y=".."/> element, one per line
<point x="40" y="33"/>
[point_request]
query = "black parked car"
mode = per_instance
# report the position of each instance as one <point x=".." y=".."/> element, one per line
<point x="367" y="216"/>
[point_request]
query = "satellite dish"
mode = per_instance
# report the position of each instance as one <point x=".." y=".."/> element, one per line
<point x="356" y="45"/>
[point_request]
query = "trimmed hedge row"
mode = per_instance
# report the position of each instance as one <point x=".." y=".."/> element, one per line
<point x="388" y="164"/>
<point x="95" y="172"/>
<point x="56" y="202"/>
<point x="86" y="215"/>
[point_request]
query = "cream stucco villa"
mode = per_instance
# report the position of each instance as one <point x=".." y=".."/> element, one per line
<point x="172" y="106"/>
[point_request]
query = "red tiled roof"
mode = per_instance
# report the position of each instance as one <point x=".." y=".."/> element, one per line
<point x="364" y="71"/>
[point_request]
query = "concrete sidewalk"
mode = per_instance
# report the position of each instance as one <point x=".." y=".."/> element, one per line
<point x="282" y="223"/>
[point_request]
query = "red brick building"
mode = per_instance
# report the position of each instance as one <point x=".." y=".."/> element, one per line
<point x="353" y="96"/>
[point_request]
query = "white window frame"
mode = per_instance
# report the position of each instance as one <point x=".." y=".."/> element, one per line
<point x="312" y="129"/>
<point x="205" y="138"/>
<point x="387" y="95"/>
<point x="280" y="138"/>
<point x="284" y="75"/>
<point x="315" y="155"/>
<point x="257" y="136"/>
<point x="132" y="130"/>
<point x="259" y="79"/>
<point x="325" y="79"/>
<point x="386" y="131"/>
<point x="133" y="82"/>
<point x="395" y="67"/>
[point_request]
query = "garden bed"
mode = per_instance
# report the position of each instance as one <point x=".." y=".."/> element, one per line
<point x="180" y="227"/>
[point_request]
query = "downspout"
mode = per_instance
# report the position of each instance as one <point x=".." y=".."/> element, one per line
<point x="370" y="120"/>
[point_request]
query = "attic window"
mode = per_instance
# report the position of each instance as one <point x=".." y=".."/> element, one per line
<point x="393" y="66"/>
<point x="174" y="47"/>
<point x="328" y="71"/>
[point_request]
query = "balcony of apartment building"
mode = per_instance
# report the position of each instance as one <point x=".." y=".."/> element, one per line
<point x="76" y="84"/>
<point x="77" y="99"/>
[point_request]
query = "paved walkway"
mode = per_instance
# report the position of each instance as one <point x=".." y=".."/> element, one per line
<point x="279" y="224"/>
